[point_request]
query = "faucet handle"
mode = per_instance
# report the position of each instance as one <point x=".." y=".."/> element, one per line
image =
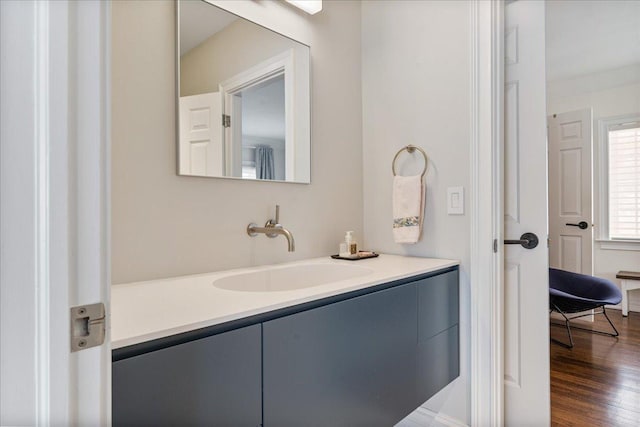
<point x="276" y="221"/>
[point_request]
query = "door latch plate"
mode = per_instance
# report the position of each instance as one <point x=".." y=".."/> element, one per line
<point x="87" y="326"/>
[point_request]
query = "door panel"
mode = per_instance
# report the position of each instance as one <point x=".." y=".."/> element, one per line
<point x="512" y="329"/>
<point x="201" y="146"/>
<point x="526" y="292"/>
<point x="571" y="253"/>
<point x="512" y="149"/>
<point x="570" y="186"/>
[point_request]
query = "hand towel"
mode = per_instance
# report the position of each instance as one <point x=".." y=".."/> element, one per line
<point x="408" y="208"/>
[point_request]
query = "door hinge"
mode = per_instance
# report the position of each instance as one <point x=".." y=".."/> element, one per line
<point x="87" y="326"/>
<point x="226" y="121"/>
<point x="495" y="246"/>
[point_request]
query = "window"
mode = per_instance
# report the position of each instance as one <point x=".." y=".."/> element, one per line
<point x="249" y="170"/>
<point x="623" y="146"/>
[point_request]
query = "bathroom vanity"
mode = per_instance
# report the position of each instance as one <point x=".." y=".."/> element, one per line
<point x="366" y="350"/>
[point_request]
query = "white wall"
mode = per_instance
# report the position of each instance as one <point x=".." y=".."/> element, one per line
<point x="609" y="94"/>
<point x="416" y="68"/>
<point x="166" y="225"/>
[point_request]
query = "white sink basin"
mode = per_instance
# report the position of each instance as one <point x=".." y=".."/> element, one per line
<point x="289" y="278"/>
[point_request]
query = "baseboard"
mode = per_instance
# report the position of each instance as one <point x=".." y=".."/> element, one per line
<point x="633" y="306"/>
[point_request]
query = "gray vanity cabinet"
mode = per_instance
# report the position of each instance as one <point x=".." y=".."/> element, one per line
<point x="438" y="351"/>
<point x="438" y="363"/>
<point x="366" y="361"/>
<point x="350" y="363"/>
<point x="213" y="381"/>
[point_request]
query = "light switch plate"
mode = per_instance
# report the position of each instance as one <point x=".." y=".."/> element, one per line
<point x="455" y="200"/>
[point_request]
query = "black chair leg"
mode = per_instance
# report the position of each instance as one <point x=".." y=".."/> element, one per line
<point x="568" y="326"/>
<point x="610" y="322"/>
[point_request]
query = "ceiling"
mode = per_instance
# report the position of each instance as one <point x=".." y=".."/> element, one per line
<point x="199" y="21"/>
<point x="263" y="114"/>
<point x="591" y="36"/>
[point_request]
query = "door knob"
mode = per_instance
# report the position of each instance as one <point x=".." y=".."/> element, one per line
<point x="527" y="241"/>
<point x="582" y="225"/>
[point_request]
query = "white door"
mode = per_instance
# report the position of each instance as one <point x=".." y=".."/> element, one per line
<point x="54" y="210"/>
<point x="526" y="293"/>
<point x="570" y="187"/>
<point x="201" y="146"/>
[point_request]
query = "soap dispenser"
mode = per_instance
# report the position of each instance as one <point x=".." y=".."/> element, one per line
<point x="352" y="247"/>
<point x="344" y="246"/>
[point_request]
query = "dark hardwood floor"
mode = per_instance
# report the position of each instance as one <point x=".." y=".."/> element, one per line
<point x="597" y="383"/>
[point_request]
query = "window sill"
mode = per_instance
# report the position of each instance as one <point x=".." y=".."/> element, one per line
<point x="619" y="245"/>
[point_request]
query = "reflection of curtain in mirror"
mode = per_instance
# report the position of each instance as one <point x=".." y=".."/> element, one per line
<point x="264" y="162"/>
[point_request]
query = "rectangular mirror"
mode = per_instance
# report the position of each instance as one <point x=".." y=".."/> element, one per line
<point x="243" y="102"/>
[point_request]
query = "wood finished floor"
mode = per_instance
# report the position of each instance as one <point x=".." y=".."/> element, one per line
<point x="597" y="383"/>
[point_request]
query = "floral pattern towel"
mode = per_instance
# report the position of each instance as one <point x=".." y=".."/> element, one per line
<point x="408" y="208"/>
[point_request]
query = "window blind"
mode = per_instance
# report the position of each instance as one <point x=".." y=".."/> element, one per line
<point x="624" y="181"/>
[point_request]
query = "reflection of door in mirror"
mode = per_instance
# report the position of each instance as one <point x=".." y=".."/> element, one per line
<point x="201" y="148"/>
<point x="260" y="104"/>
<point x="263" y="110"/>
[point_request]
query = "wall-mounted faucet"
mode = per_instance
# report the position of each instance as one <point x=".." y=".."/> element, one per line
<point x="272" y="228"/>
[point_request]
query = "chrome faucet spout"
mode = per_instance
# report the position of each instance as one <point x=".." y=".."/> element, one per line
<point x="273" y="231"/>
<point x="290" y="242"/>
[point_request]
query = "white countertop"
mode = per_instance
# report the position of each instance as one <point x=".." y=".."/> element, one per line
<point x="144" y="311"/>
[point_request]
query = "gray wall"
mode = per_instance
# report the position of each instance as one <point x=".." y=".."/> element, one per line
<point x="416" y="74"/>
<point x="165" y="225"/>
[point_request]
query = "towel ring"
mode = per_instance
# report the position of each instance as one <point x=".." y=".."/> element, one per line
<point x="410" y="149"/>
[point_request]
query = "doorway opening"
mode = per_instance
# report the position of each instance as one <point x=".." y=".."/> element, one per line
<point x="593" y="104"/>
<point x="259" y="134"/>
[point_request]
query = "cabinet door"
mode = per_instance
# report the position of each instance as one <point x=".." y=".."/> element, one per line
<point x="438" y="352"/>
<point x="351" y="363"/>
<point x="437" y="304"/>
<point x="438" y="363"/>
<point x="214" y="381"/>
